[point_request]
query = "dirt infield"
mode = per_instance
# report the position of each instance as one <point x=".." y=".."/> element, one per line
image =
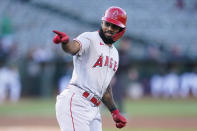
<point x="29" y="128"/>
<point x="50" y="123"/>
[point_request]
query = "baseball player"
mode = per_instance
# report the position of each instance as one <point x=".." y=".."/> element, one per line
<point x="95" y="62"/>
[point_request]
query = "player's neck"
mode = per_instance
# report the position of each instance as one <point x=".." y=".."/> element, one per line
<point x="110" y="45"/>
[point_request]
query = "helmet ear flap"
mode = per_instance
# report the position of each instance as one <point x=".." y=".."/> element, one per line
<point x="118" y="35"/>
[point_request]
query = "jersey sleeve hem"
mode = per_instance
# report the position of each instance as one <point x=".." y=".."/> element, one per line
<point x="80" y="50"/>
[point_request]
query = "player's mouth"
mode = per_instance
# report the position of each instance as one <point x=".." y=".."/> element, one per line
<point x="108" y="34"/>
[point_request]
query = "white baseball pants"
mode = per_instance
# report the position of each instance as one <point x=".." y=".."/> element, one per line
<point x="75" y="113"/>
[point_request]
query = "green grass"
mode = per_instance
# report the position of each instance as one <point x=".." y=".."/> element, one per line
<point x="150" y="107"/>
<point x="29" y="107"/>
<point x="144" y="107"/>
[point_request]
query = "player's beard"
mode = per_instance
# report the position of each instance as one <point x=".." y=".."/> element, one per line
<point x="104" y="38"/>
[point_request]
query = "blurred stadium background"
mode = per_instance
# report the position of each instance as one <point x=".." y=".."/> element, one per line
<point x="157" y="77"/>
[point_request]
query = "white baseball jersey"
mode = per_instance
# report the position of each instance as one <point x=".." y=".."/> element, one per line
<point x="95" y="64"/>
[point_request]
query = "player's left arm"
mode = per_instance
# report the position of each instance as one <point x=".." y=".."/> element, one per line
<point x="108" y="100"/>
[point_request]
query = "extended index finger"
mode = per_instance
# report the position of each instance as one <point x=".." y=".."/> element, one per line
<point x="57" y="32"/>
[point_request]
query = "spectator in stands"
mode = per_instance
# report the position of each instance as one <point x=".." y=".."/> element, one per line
<point x="6" y="27"/>
<point x="156" y="85"/>
<point x="171" y="83"/>
<point x="3" y="53"/>
<point x="6" y="32"/>
<point x="194" y="91"/>
<point x="185" y="84"/>
<point x="188" y="83"/>
<point x="135" y="89"/>
<point x="9" y="84"/>
<point x="9" y="75"/>
<point x="43" y="56"/>
<point x="153" y="52"/>
<point x="156" y="82"/>
<point x="180" y="4"/>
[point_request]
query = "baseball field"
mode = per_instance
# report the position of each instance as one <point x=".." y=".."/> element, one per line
<point x="143" y="115"/>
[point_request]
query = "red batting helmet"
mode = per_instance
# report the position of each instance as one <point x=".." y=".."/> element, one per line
<point x="116" y="16"/>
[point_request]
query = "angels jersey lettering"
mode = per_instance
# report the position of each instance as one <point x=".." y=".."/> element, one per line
<point x="99" y="62"/>
<point x="95" y="64"/>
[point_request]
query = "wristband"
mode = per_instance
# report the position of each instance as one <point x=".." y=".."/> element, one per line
<point x="114" y="110"/>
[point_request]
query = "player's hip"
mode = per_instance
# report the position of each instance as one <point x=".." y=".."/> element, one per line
<point x="70" y="102"/>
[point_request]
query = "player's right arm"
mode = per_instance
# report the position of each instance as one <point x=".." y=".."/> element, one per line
<point x="68" y="46"/>
<point x="71" y="47"/>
